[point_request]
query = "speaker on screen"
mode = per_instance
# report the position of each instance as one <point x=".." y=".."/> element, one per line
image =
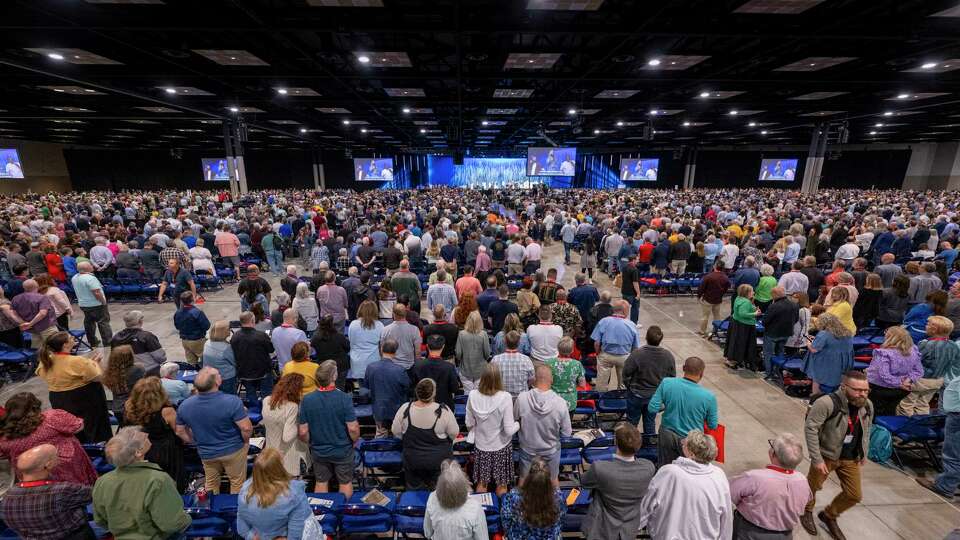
<point x="780" y="169"/>
<point x="10" y="166"/>
<point x="373" y="169"/>
<point x="558" y="161"/>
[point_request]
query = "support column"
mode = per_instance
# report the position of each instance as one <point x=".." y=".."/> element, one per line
<point x="231" y="168"/>
<point x="933" y="166"/>
<point x="323" y="178"/>
<point x="690" y="168"/>
<point x="814" y="165"/>
<point x="238" y="153"/>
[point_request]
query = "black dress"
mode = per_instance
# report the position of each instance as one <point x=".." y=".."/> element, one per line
<point x="334" y="347"/>
<point x="166" y="450"/>
<point x="89" y="402"/>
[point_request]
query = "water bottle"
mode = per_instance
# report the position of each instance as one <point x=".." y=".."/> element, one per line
<point x="203" y="500"/>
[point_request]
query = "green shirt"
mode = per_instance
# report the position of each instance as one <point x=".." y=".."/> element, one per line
<point x="566" y="373"/>
<point x="686" y="405"/>
<point x="267" y="242"/>
<point x="744" y="311"/>
<point x="139" y="502"/>
<point x="762" y="292"/>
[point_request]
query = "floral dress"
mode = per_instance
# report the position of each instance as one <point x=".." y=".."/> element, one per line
<point x="566" y="373"/>
<point x="516" y="528"/>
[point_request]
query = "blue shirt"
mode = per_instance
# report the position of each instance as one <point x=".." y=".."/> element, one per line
<point x="616" y="335"/>
<point x="219" y="355"/>
<point x="951" y="397"/>
<point x="686" y="405"/>
<point x="285" y="517"/>
<point x="176" y="390"/>
<point x="213" y="417"/>
<point x="191" y="323"/>
<point x="70" y="266"/>
<point x="584" y="297"/>
<point x="83" y="287"/>
<point x="327" y="413"/>
<point x="389" y="385"/>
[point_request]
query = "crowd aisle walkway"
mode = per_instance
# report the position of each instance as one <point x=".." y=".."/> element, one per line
<point x="894" y="506"/>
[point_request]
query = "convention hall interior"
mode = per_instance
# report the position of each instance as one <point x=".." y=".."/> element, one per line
<point x="480" y="269"/>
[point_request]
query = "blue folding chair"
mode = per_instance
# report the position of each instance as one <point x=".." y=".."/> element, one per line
<point x="599" y="449"/>
<point x="385" y="455"/>
<point x="613" y="403"/>
<point x="16" y="364"/>
<point x="358" y="517"/>
<point x="920" y="432"/>
<point x="326" y="507"/>
<point x="408" y="516"/>
<point x="573" y="519"/>
<point x="570" y="455"/>
<point x="97" y="457"/>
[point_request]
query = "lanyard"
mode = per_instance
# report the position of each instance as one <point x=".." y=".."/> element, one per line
<point x="937" y="339"/>
<point x="35" y="483"/>
<point x="330" y="388"/>
<point x="780" y="469"/>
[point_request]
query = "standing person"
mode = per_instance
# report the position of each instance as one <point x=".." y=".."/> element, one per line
<point x="893" y="371"/>
<point x="567" y="372"/>
<point x="445" y="329"/>
<point x="769" y="501"/>
<point x="365" y="334"/>
<point x="285" y="336"/>
<point x="251" y="350"/>
<point x="868" y="302"/>
<point x="121" y="374"/>
<point x="686" y="407"/>
<point x="332" y="300"/>
<point x="389" y="386"/>
<point x="329" y="344"/>
<point x="831" y="353"/>
<point x="451" y="513"/>
<point x="710" y="295"/>
<point x="472" y="351"/>
<point x="689" y="497"/>
<point x="643" y="371"/>
<point x="613" y="339"/>
<point x="74" y="383"/>
<point x="272" y="504"/>
<point x="192" y="324"/>
<point x="544" y="421"/>
<point x="535" y="509"/>
<point x="441" y="372"/>
<point x="838" y="435"/>
<point x="40" y="507"/>
<point x="35" y="313"/>
<point x="137" y="499"/>
<point x="228" y="245"/>
<point x="180" y="279"/>
<point x="218" y="424"/>
<point x="217" y="353"/>
<point x="778" y="324"/>
<point x="499" y="309"/>
<point x="306" y="308"/>
<point x="740" y="350"/>
<point x="281" y="409"/>
<point x="489" y="417"/>
<point x="58" y="298"/>
<point x="427" y="429"/>
<point x="583" y="296"/>
<point x="941" y="362"/>
<point x="894" y="302"/>
<point x="300" y="364"/>
<point x="515" y="367"/>
<point x="329" y="425"/>
<point x="150" y="408"/>
<point x="406" y="335"/>
<point x="630" y="289"/>
<point x="946" y="483"/>
<point x="544" y="336"/>
<point x="618" y="487"/>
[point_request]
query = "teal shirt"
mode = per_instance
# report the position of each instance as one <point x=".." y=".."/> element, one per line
<point x="83" y="287"/>
<point x="744" y="311"/>
<point x="267" y="242"/>
<point x="686" y="405"/>
<point x="951" y="397"/>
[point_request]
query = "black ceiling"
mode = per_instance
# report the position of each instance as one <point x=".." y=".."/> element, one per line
<point x="855" y="57"/>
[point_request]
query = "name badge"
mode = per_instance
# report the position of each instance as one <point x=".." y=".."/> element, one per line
<point x="848" y="439"/>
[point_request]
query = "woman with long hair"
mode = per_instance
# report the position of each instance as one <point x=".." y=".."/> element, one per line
<point x="840" y="307"/>
<point x="741" y="347"/>
<point x="465" y="306"/>
<point x="510" y="323"/>
<point x="122" y="373"/>
<point x="74" y="383"/>
<point x="149" y="407"/>
<point x="894" y="302"/>
<point x="801" y="328"/>
<point x="59" y="299"/>
<point x="536" y="508"/>
<point x="364" y="333"/>
<point x="472" y="351"/>
<point x="271" y="503"/>
<point x="895" y="368"/>
<point x="489" y="417"/>
<point x="300" y="364"/>
<point x="386" y="299"/>
<point x="588" y="256"/>
<point x="830" y="353"/>
<point x="451" y="514"/>
<point x="867" y="308"/>
<point x="218" y="354"/>
<point x="280" y="419"/>
<point x="24" y="427"/>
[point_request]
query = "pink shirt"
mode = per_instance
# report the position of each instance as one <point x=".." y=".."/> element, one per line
<point x="468" y="283"/>
<point x="227" y="244"/>
<point x="770" y="498"/>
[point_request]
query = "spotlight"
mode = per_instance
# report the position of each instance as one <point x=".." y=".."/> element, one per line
<point x="929" y="65"/>
<point x="654" y="62"/>
<point x="873" y="133"/>
<point x="363" y="130"/>
<point x="406" y="110"/>
<point x="620" y="124"/>
<point x="55" y="56"/>
<point x="752" y="124"/>
<point x="596" y="132"/>
<point x="422" y="130"/>
<point x="704" y="94"/>
<point x="572" y="111"/>
<point x="686" y="124"/>
<point x="282" y="91"/>
<point x="888" y="113"/>
<point x="234" y="109"/>
<point x="654" y="112"/>
<point x="734" y="112"/>
<point x="346" y="122"/>
<point x="303" y="130"/>
<point x="170" y="90"/>
<point x="903" y="96"/>
<point x="363" y="59"/>
<point x="484" y="123"/>
<point x="878" y="124"/>
<point x="763" y="132"/>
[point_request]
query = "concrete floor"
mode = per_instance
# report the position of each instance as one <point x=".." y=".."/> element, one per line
<point x="893" y="507"/>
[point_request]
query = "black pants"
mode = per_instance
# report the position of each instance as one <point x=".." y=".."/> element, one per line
<point x="885" y="400"/>
<point x="669" y="446"/>
<point x="94" y="318"/>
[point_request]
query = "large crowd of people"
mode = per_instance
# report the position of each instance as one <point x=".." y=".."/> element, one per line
<point x="415" y="300"/>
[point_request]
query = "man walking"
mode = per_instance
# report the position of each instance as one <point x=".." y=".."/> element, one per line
<point x="93" y="303"/>
<point x="710" y="295"/>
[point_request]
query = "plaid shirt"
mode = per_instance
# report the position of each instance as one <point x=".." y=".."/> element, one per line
<point x="516" y="370"/>
<point x="46" y="512"/>
<point x="172" y="252"/>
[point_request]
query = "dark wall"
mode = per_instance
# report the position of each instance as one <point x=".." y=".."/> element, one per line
<point x="728" y="169"/>
<point x="863" y="169"/>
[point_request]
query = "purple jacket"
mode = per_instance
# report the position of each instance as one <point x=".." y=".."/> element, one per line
<point x="889" y="367"/>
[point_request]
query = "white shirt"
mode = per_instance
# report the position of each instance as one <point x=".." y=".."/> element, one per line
<point x="532" y="252"/>
<point x="848" y="252"/>
<point x="465" y="523"/>
<point x="729" y="255"/>
<point x="543" y="340"/>
<point x="688" y="500"/>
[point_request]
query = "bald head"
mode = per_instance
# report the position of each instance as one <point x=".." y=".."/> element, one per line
<point x="84" y="267"/>
<point x="777" y="292"/>
<point x="207" y="380"/>
<point x="30" y="286"/>
<point x="37" y="462"/>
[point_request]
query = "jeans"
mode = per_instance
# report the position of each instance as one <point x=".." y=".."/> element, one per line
<point x="567" y="246"/>
<point x="257" y="389"/>
<point x="634" y="307"/>
<point x="275" y="260"/>
<point x="949" y="479"/>
<point x="229" y="386"/>
<point x="637" y="410"/>
<point x="772" y="346"/>
<point x="97" y="317"/>
<point x="613" y="265"/>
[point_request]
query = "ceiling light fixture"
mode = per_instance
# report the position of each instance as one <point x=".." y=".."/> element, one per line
<point x="234" y="109"/>
<point x="54" y="56"/>
<point x="903" y="96"/>
<point x="620" y="123"/>
<point x="346" y="122"/>
<point x="929" y="65"/>
<point x="170" y="90"/>
<point x="363" y="59"/>
<point x="888" y="113"/>
<point x="572" y="111"/>
<point x="734" y="112"/>
<point x="303" y="130"/>
<point x="406" y="110"/>
<point x="763" y="132"/>
<point x="484" y="123"/>
<point x="686" y="124"/>
<point x="704" y="94"/>
<point x="282" y="91"/>
<point x="654" y="62"/>
<point x="654" y="112"/>
<point x="873" y="132"/>
<point x="363" y="130"/>
<point x="878" y="124"/>
<point x="596" y="132"/>
<point x="422" y="130"/>
<point x="752" y="124"/>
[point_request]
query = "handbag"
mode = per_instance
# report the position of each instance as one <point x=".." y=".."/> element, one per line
<point x="312" y="529"/>
<point x="718" y="435"/>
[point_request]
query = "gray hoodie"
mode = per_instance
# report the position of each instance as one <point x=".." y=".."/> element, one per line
<point x="543" y="420"/>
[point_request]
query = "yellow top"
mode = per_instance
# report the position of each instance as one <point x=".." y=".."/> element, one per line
<point x="69" y="372"/>
<point x="844" y="312"/>
<point x="309" y="372"/>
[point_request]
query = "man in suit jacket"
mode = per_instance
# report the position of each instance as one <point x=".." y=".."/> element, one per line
<point x="618" y="488"/>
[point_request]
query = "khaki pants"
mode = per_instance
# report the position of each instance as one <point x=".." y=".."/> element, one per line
<point x="233" y="465"/>
<point x="678" y="267"/>
<point x="193" y="349"/>
<point x="708" y="313"/>
<point x="848" y="472"/>
<point x="610" y="371"/>
<point x="515" y="269"/>
<point x="918" y="401"/>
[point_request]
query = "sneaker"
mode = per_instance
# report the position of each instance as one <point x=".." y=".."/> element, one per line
<point x="929" y="484"/>
<point x="832" y="527"/>
<point x="639" y="325"/>
<point x="808" y="525"/>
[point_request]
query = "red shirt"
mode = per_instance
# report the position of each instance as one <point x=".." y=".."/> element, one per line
<point x="644" y="252"/>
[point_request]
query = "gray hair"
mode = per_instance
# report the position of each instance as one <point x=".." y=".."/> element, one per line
<point x="283" y="299"/>
<point x="701" y="447"/>
<point x="303" y="290"/>
<point x="766" y="270"/>
<point x="133" y="319"/>
<point x="291" y="269"/>
<point x="452" y="486"/>
<point x="788" y="450"/>
<point x="168" y="369"/>
<point x="326" y="373"/>
<point x="122" y="449"/>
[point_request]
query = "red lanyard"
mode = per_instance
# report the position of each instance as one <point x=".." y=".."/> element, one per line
<point x="850" y="423"/>
<point x="35" y="483"/>
<point x="938" y="339"/>
<point x="780" y="469"/>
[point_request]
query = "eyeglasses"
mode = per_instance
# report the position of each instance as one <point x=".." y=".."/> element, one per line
<point x="770" y="442"/>
<point x="857" y="390"/>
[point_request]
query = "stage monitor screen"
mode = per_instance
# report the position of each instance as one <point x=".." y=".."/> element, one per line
<point x="784" y="169"/>
<point x="373" y="169"/>
<point x="10" y="166"/>
<point x="551" y="161"/>
<point x="215" y="170"/>
<point x="643" y="169"/>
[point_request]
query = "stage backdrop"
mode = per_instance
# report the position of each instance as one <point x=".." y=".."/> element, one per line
<point x="487" y="173"/>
